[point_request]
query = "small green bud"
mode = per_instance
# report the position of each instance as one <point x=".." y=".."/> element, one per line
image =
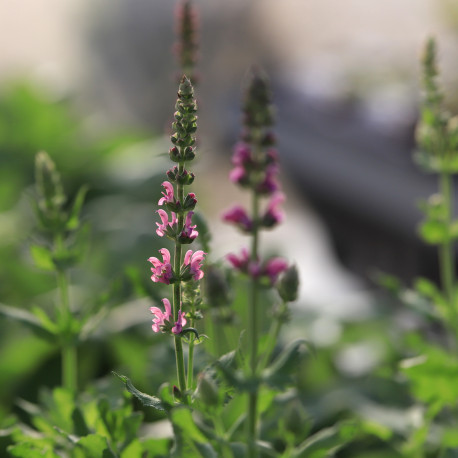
<point x="288" y="284"/>
<point x="207" y="390"/>
<point x="48" y="183"/>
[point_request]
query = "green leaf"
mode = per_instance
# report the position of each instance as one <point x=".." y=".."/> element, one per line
<point x="79" y="424"/>
<point x="32" y="449"/>
<point x="434" y="232"/>
<point x="429" y="290"/>
<point x="93" y="446"/>
<point x="42" y="257"/>
<point x="280" y="371"/>
<point x="145" y="399"/>
<point x="27" y="319"/>
<point x="433" y="376"/>
<point x="189" y="440"/>
<point x="326" y="442"/>
<point x="73" y="221"/>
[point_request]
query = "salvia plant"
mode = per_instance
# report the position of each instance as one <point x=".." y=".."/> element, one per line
<point x="236" y="390"/>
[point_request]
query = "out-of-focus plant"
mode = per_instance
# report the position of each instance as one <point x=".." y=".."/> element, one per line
<point x="432" y="364"/>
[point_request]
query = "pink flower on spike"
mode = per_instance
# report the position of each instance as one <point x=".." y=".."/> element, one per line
<point x="167" y="226"/>
<point x="162" y="271"/>
<point x="242" y="155"/>
<point x="244" y="263"/>
<point x="239" y="217"/>
<point x="273" y="214"/>
<point x="273" y="268"/>
<point x="269" y="184"/>
<point x="161" y="317"/>
<point x="188" y="234"/>
<point x="180" y="323"/>
<point x="238" y="175"/>
<point x="168" y="194"/>
<point x="193" y="264"/>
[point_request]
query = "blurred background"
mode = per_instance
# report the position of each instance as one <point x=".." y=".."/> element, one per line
<point x="94" y="84"/>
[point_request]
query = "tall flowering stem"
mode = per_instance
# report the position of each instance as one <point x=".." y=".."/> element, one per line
<point x="187" y="45"/>
<point x="437" y="137"/>
<point x="256" y="168"/>
<point x="183" y="267"/>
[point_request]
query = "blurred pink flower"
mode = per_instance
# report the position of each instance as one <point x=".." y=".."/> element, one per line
<point x="273" y="214"/>
<point x="239" y="217"/>
<point x="273" y="268"/>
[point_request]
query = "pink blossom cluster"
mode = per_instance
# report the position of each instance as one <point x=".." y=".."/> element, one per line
<point x="259" y="174"/>
<point x="270" y="269"/>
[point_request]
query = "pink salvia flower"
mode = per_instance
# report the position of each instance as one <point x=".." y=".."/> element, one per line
<point x="162" y="271"/>
<point x="188" y="234"/>
<point x="180" y="323"/>
<point x="273" y="268"/>
<point x="194" y="263"/>
<point x="238" y="175"/>
<point x="162" y="229"/>
<point x="244" y="264"/>
<point x="161" y="317"/>
<point x="239" y="217"/>
<point x="242" y="155"/>
<point x="273" y="214"/>
<point x="168" y="194"/>
<point x="269" y="184"/>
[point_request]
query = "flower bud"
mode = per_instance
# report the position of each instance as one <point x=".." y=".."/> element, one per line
<point x="172" y="173"/>
<point x="190" y="202"/>
<point x="48" y="182"/>
<point x="288" y="284"/>
<point x="189" y="153"/>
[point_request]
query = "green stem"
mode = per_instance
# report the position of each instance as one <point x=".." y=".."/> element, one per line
<point x="447" y="265"/>
<point x="190" y="380"/>
<point x="177" y="296"/>
<point x="446" y="252"/>
<point x="274" y="332"/>
<point x="68" y="350"/>
<point x="253" y="333"/>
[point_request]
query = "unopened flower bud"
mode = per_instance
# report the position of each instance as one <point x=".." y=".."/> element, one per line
<point x="172" y="173"/>
<point x="189" y="153"/>
<point x="207" y="390"/>
<point x="190" y="202"/>
<point x="174" y="152"/>
<point x="288" y="284"/>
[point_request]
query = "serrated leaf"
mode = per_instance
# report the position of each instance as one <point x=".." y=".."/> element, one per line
<point x="27" y="319"/>
<point x="42" y="257"/>
<point x="145" y="399"/>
